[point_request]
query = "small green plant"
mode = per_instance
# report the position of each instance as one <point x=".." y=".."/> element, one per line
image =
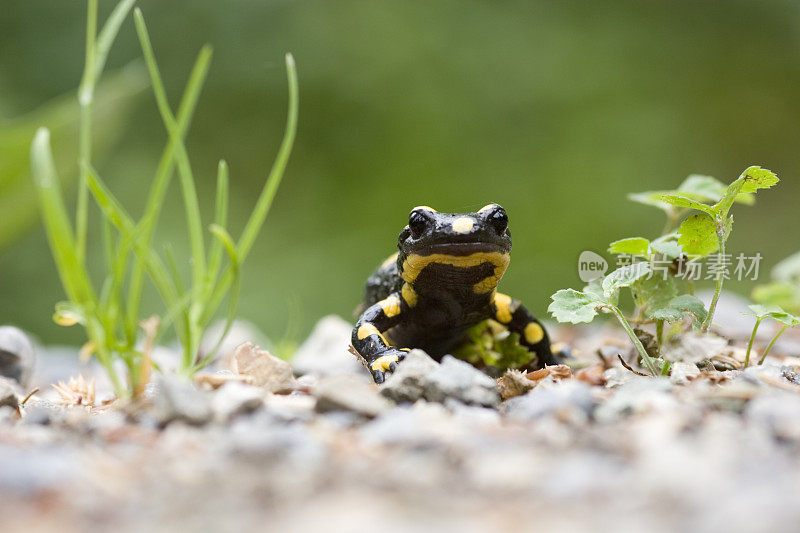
<point x="666" y="296"/>
<point x="111" y="316"/>
<point x="775" y="313"/>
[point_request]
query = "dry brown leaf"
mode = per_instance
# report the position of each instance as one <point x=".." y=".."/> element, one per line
<point x="593" y="375"/>
<point x="261" y="368"/>
<point x="514" y="383"/>
<point x="76" y="392"/>
<point x="555" y="372"/>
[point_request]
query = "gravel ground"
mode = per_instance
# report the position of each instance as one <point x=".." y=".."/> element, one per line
<point x="435" y="448"/>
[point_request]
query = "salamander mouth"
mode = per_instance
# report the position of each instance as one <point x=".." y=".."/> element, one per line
<point x="461" y="248"/>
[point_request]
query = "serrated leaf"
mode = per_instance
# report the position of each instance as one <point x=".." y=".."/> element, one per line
<point x="652" y="198"/>
<point x="572" y="306"/>
<point x="698" y="235"/>
<point x="654" y="292"/>
<point x="756" y="178"/>
<point x="775" y="313"/>
<point x="707" y="188"/>
<point x="630" y="246"/>
<point x="623" y="277"/>
<point x="682" y="201"/>
<point x="670" y="249"/>
<point x="594" y="290"/>
<point x="685" y="303"/>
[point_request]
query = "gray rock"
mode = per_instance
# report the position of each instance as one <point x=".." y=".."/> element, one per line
<point x="17" y="354"/>
<point x="460" y="380"/>
<point x="9" y="392"/>
<point x="349" y="393"/>
<point x="235" y="398"/>
<point x="639" y="395"/>
<point x="325" y="351"/>
<point x="770" y="372"/>
<point x="778" y="412"/>
<point x="290" y="408"/>
<point x="178" y="399"/>
<point x="683" y="373"/>
<point x="406" y="383"/>
<point x="567" y="398"/>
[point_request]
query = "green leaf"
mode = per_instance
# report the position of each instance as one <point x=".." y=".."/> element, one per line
<point x="674" y="310"/>
<point x="698" y="235"/>
<point x="654" y="292"/>
<point x="572" y="306"/>
<point x="652" y="198"/>
<point x="623" y="277"/>
<point x="706" y="188"/>
<point x="594" y="290"/>
<point x="630" y="246"/>
<point x="775" y="313"/>
<point x="682" y="201"/>
<point x="670" y="249"/>
<point x="757" y="178"/>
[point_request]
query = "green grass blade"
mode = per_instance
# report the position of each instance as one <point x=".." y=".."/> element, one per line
<point x="85" y="97"/>
<point x="276" y="173"/>
<point x="191" y="203"/>
<point x="223" y="236"/>
<point x="56" y="221"/>
<point x="164" y="172"/>
<point x="108" y="34"/>
<point x="220" y="219"/>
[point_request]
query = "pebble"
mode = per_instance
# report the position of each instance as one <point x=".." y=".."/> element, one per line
<point x="461" y="381"/>
<point x="406" y="384"/>
<point x="235" y="398"/>
<point x="17" y="354"/>
<point x="568" y="399"/>
<point x="178" y="399"/>
<point x="8" y="392"/>
<point x="349" y="393"/>
<point x="324" y="352"/>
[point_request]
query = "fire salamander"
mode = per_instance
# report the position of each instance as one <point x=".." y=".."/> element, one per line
<point x="442" y="282"/>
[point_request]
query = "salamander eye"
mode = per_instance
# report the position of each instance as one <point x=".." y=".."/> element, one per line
<point x="418" y="222"/>
<point x="498" y="219"/>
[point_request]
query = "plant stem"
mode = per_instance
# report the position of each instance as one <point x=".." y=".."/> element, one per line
<point x="750" y="342"/>
<point x="769" y="346"/>
<point x="648" y="361"/>
<point x="659" y="334"/>
<point x="720" y="276"/>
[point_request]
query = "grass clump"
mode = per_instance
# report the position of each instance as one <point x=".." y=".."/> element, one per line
<point x="111" y="313"/>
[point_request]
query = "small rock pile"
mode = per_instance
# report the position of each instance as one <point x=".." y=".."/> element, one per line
<point x="439" y="445"/>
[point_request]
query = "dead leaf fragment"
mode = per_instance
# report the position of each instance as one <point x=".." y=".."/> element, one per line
<point x="76" y="392"/>
<point x="514" y="383"/>
<point x="262" y="369"/>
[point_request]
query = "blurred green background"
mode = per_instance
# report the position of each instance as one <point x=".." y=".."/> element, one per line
<point x="554" y="109"/>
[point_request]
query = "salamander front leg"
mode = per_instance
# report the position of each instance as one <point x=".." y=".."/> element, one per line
<point x="532" y="334"/>
<point x="368" y="340"/>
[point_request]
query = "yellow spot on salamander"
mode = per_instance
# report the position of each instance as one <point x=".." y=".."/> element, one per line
<point x="390" y="306"/>
<point x="426" y="208"/>
<point x="533" y="333"/>
<point x="383" y="362"/>
<point x="505" y="307"/>
<point x="365" y="330"/>
<point x="487" y="207"/>
<point x="409" y="294"/>
<point x="463" y="224"/>
<point x="389" y="260"/>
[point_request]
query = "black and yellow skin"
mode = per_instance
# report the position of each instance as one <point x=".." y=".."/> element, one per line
<point x="442" y="282"/>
